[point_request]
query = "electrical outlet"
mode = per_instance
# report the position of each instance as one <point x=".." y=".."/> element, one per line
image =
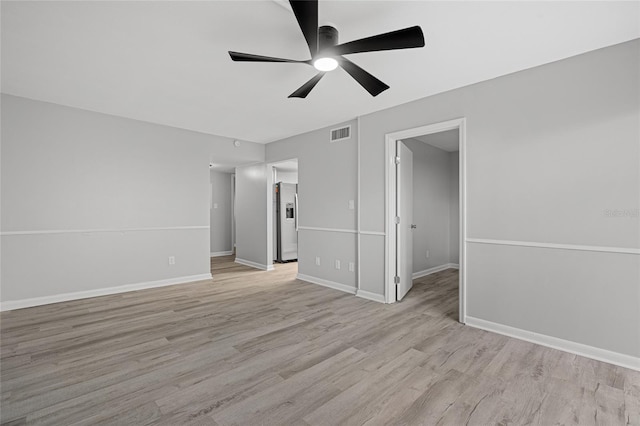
<point x="427" y="254"/>
<point x="317" y="261"/>
<point x="337" y="264"/>
<point x="352" y="267"/>
<point x="215" y="205"/>
<point x="172" y="260"/>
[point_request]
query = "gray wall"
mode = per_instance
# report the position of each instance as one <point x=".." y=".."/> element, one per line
<point x="431" y="205"/>
<point x="251" y="214"/>
<point x="75" y="184"/>
<point x="220" y="213"/>
<point x="454" y="208"/>
<point x="327" y="180"/>
<point x="287" y="177"/>
<point x="549" y="151"/>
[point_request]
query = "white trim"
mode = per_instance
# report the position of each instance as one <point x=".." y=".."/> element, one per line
<point x="592" y="352"/>
<point x="254" y="264"/>
<point x="379" y="233"/>
<point x="623" y="250"/>
<point x="313" y="228"/>
<point x="370" y="296"/>
<point x="428" y="129"/>
<point x="435" y="269"/>
<point x="326" y="283"/>
<point x="390" y="191"/>
<point x="233" y="212"/>
<point x="46" y="300"/>
<point x="389" y="224"/>
<point x="358" y="215"/>
<point x="221" y="253"/>
<point x="462" y="203"/>
<point x="89" y="231"/>
<point x="270" y="174"/>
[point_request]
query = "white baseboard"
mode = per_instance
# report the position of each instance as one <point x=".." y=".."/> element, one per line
<point x="371" y="296"/>
<point x="221" y="253"/>
<point x="65" y="297"/>
<point x="587" y="351"/>
<point x="435" y="269"/>
<point x="326" y="283"/>
<point x="254" y="264"/>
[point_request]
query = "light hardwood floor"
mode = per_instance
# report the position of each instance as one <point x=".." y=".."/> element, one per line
<point x="261" y="348"/>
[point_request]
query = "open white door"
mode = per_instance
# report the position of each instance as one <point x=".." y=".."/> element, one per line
<point x="404" y="210"/>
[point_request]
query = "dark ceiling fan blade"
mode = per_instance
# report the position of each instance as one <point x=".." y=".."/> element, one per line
<point x="401" y="39"/>
<point x="304" y="90"/>
<point x="248" y="57"/>
<point x="366" y="80"/>
<point x="306" y="12"/>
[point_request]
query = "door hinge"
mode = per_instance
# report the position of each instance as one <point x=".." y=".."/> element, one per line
<point x="397" y="220"/>
<point x="396" y="280"/>
<point x="397" y="160"/>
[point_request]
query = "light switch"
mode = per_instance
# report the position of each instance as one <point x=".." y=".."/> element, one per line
<point x="352" y="205"/>
<point x="215" y="205"/>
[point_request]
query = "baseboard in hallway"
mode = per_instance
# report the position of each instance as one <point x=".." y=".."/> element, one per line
<point x="327" y="283"/>
<point x="435" y="269"/>
<point x="254" y="264"/>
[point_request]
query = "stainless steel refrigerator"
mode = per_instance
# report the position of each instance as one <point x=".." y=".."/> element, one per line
<point x="286" y="222"/>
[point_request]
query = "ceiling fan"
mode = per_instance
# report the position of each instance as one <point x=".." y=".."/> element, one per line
<point x="326" y="53"/>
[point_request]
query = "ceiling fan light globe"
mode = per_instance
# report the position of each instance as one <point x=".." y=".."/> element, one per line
<point x="325" y="64"/>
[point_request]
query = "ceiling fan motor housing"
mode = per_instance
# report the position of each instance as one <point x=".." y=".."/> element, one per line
<point x="327" y="38"/>
<point x="327" y="53"/>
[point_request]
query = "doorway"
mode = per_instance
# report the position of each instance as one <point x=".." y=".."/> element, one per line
<point x="221" y="210"/>
<point x="282" y="212"/>
<point x="401" y="224"/>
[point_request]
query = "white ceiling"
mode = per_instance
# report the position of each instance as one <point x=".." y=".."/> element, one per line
<point x="166" y="61"/>
<point x="447" y="141"/>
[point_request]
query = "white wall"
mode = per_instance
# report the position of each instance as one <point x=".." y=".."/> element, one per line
<point x="92" y="201"/>
<point x="220" y="213"/>
<point x="326" y="182"/>
<point x="549" y="151"/>
<point x="431" y="205"/>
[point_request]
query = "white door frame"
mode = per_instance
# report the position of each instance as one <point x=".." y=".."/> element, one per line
<point x="390" y="197"/>
<point x="233" y="212"/>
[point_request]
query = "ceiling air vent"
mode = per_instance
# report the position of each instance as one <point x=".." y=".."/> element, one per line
<point x="340" y="134"/>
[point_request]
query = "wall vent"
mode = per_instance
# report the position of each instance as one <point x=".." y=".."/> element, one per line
<point x="340" y="134"/>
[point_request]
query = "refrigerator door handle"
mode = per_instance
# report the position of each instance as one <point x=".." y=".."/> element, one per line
<point x="295" y="214"/>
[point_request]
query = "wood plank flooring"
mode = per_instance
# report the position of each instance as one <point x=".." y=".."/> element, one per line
<point x="261" y="348"/>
